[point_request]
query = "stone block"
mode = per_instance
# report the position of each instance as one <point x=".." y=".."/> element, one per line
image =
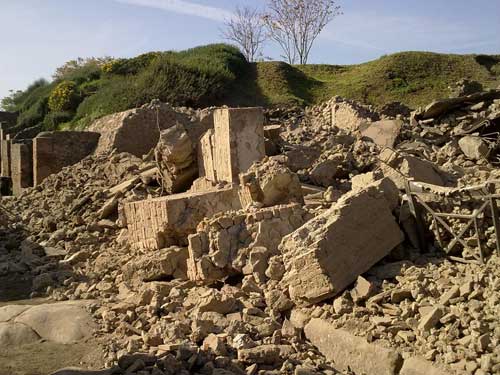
<point x="329" y="252"/>
<point x="383" y="133"/>
<point x="157" y="223"/>
<point x="400" y="167"/>
<point x="350" y="352"/>
<point x="474" y="148"/>
<point x="52" y="151"/>
<point x="239" y="141"/>
<point x="21" y="166"/>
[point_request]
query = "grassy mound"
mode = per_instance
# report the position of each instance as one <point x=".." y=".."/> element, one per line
<point x="219" y="74"/>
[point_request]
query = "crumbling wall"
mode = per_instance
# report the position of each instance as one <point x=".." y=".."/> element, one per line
<point x="240" y="242"/>
<point x="53" y="151"/>
<point x="161" y="222"/>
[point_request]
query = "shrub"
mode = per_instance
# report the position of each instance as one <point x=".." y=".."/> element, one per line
<point x="130" y="66"/>
<point x="54" y="119"/>
<point x="34" y="114"/>
<point x="64" y="97"/>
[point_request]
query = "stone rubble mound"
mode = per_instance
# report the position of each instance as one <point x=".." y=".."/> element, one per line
<point x="272" y="242"/>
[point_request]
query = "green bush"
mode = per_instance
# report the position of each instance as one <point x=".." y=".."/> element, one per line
<point x="64" y="97"/>
<point x="34" y="114"/>
<point x="114" y="95"/>
<point x="130" y="66"/>
<point x="54" y="119"/>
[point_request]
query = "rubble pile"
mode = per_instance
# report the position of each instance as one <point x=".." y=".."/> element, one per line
<point x="208" y="256"/>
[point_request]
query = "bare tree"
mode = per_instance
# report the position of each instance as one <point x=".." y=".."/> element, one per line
<point x="247" y="30"/>
<point x="295" y="25"/>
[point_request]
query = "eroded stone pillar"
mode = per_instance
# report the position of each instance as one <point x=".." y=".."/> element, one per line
<point x="239" y="141"/>
<point x="21" y="166"/>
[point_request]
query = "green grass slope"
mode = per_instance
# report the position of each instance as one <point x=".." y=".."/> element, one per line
<point x="414" y="78"/>
<point x="218" y="74"/>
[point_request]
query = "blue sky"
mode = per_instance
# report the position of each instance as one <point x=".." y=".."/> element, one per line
<point x="40" y="35"/>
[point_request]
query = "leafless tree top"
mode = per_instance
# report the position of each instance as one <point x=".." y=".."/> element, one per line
<point x="247" y="30"/>
<point x="295" y="24"/>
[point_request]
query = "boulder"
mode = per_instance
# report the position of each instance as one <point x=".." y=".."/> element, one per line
<point x="62" y="323"/>
<point x="9" y="312"/>
<point x="329" y="252"/>
<point x="473" y="147"/>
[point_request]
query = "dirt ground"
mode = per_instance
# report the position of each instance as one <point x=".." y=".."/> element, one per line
<point x="41" y="358"/>
<point x="44" y="358"/>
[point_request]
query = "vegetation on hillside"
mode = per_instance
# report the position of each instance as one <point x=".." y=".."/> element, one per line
<point x="219" y="74"/>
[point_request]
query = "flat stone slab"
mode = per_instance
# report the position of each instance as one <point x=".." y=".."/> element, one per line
<point x="62" y="323"/>
<point x="420" y="366"/>
<point x="11" y="311"/>
<point x="348" y="351"/>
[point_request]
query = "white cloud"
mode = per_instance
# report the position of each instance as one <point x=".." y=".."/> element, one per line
<point x="183" y="7"/>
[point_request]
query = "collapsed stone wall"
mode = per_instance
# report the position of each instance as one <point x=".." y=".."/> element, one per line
<point x="268" y="293"/>
<point x="241" y="242"/>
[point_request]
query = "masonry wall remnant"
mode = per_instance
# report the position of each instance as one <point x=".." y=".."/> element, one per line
<point x="53" y="151"/>
<point x="21" y="166"/>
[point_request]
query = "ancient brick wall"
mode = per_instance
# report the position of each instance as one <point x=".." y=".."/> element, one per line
<point x="157" y="223"/>
<point x="53" y="151"/>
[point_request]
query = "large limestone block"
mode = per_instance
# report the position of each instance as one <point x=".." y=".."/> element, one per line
<point x="16" y="334"/>
<point x="157" y="223"/>
<point x="383" y="133"/>
<point x="400" y="168"/>
<point x="137" y="130"/>
<point x="62" y="323"/>
<point x="329" y="252"/>
<point x="239" y="141"/>
<point x="351" y="352"/>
